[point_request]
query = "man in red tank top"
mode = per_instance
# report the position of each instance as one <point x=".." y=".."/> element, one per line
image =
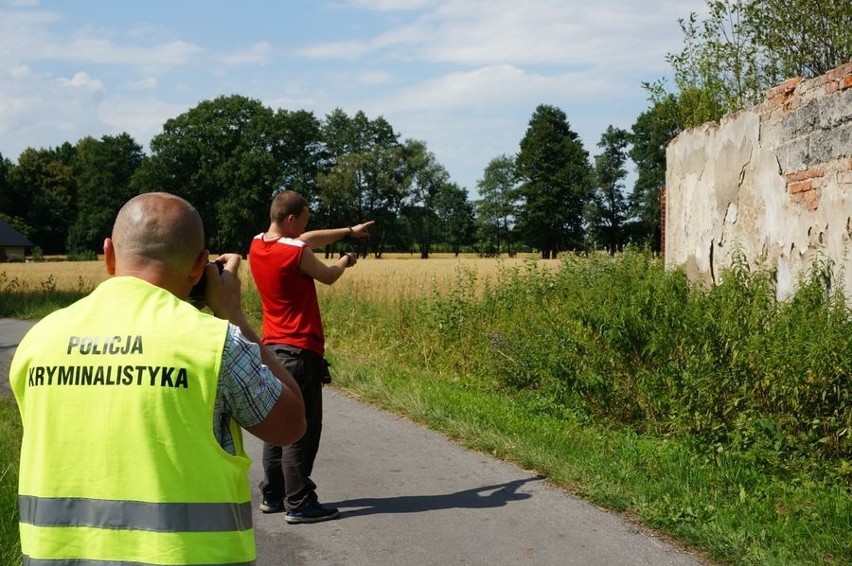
<point x="285" y="268"/>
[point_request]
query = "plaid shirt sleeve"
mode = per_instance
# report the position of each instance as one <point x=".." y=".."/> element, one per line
<point x="247" y="388"/>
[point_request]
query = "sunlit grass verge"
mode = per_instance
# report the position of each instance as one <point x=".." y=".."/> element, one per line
<point x="10" y="446"/>
<point x="28" y="300"/>
<point x="719" y="417"/>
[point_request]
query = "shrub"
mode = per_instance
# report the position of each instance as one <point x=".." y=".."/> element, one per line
<point x="624" y="342"/>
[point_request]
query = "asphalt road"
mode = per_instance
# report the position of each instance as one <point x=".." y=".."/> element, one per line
<point x="410" y="497"/>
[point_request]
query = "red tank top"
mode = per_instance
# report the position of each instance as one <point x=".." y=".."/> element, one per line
<point x="291" y="312"/>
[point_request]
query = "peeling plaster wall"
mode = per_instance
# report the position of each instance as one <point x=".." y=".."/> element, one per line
<point x="774" y="181"/>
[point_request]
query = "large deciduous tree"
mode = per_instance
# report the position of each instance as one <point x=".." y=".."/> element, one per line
<point x="365" y="176"/>
<point x="428" y="178"/>
<point x="218" y="155"/>
<point x="555" y="183"/>
<point x="608" y="209"/>
<point x="5" y="187"/>
<point x="11" y="210"/>
<point x="296" y="145"/>
<point x="44" y="194"/>
<point x="496" y="207"/>
<point x="103" y="169"/>
<point x="456" y="217"/>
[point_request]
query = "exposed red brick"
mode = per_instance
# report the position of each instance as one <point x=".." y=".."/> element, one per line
<point x="846" y="82"/>
<point x="799" y="187"/>
<point x="812" y="200"/>
<point x="807" y="199"/>
<point x="806" y="174"/>
<point x="786" y="88"/>
<point x="774" y="102"/>
<point x="840" y="71"/>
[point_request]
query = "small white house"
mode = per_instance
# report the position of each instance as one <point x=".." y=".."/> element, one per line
<point x="13" y="244"/>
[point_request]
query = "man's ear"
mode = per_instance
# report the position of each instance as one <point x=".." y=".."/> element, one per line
<point x="109" y="256"/>
<point x="199" y="266"/>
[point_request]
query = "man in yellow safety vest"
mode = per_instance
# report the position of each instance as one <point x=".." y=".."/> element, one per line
<point x="132" y="402"/>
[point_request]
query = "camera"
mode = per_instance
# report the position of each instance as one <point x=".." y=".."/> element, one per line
<point x="350" y="256"/>
<point x="199" y="290"/>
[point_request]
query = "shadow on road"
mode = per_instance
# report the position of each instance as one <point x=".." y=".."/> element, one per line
<point x="481" y="497"/>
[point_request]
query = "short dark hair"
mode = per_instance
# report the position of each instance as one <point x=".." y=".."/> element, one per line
<point x="286" y="203"/>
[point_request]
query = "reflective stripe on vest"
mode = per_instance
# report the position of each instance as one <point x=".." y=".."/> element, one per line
<point x="135" y="515"/>
<point x="63" y="562"/>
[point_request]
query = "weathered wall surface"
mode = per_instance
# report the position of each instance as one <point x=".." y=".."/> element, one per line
<point x="774" y="181"/>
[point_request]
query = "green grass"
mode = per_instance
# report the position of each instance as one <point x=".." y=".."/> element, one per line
<point x="10" y="446"/>
<point x="719" y="418"/>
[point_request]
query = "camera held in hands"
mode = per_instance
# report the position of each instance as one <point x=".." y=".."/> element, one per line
<point x="352" y="257"/>
<point x="199" y="290"/>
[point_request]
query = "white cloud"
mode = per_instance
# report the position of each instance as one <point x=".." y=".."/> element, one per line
<point x="495" y="87"/>
<point x="533" y="32"/>
<point x="148" y="83"/>
<point x="374" y="77"/>
<point x="142" y="118"/>
<point x="83" y="81"/>
<point x="257" y="53"/>
<point x="349" y="50"/>
<point x="100" y="50"/>
<point x="36" y="35"/>
<point x="21" y="72"/>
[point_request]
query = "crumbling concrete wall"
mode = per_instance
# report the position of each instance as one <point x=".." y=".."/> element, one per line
<point x="774" y="181"/>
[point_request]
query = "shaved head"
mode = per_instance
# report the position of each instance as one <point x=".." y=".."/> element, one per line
<point x="157" y="228"/>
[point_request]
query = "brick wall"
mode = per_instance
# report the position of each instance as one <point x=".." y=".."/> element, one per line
<point x="774" y="181"/>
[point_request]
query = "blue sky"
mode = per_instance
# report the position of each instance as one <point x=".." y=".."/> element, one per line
<point x="464" y="76"/>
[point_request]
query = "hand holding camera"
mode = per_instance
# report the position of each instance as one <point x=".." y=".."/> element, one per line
<point x="220" y="287"/>
<point x="198" y="293"/>
<point x="351" y="258"/>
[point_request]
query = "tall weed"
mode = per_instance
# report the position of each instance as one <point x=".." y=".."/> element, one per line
<point x="34" y="300"/>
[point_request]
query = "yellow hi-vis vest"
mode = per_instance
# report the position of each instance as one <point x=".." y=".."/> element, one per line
<point x="119" y="463"/>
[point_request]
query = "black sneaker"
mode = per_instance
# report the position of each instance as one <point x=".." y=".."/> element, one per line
<point x="272" y="505"/>
<point x="311" y="512"/>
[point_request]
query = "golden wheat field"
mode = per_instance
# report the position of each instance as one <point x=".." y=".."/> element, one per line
<point x="392" y="275"/>
<point x="61" y="275"/>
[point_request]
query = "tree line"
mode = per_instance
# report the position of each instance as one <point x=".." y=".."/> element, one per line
<point x="228" y="156"/>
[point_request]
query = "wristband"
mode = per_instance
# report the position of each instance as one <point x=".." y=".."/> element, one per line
<point x="350" y="232"/>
